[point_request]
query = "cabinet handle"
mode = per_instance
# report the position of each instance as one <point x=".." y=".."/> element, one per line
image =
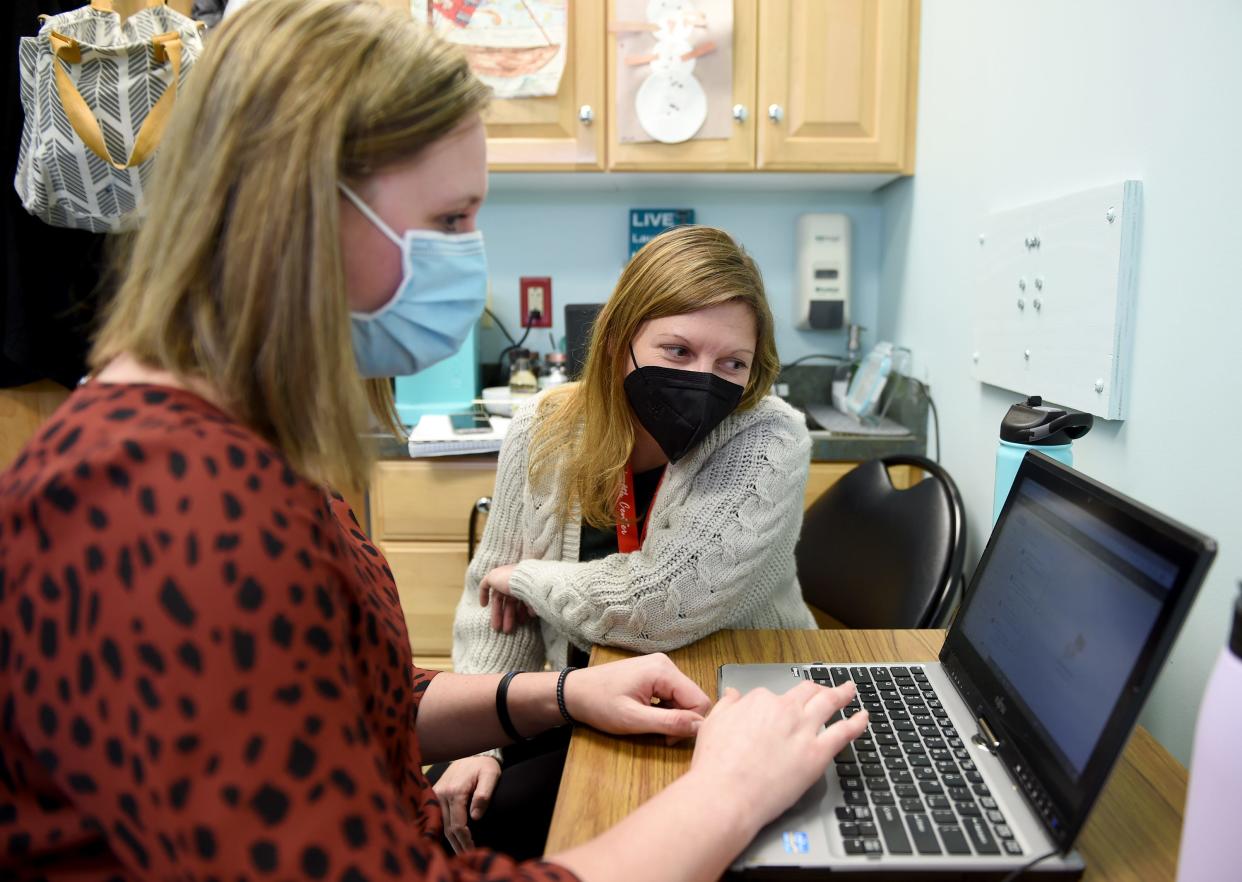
<point x="740" y="113"/>
<point x="586" y="115"/>
<point x="775" y="113"/>
<point x="482" y="505"/>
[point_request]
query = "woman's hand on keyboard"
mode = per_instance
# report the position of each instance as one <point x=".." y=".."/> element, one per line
<point x="764" y="750"/>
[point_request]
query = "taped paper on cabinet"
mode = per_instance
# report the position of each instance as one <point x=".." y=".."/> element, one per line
<point x="517" y="47"/>
<point x="674" y="70"/>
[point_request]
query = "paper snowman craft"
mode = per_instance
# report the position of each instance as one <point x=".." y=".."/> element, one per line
<point x="671" y="103"/>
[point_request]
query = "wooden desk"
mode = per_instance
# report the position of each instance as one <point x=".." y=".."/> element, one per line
<point x="1133" y="832"/>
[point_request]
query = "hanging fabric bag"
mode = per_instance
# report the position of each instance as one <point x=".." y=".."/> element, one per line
<point x="97" y="94"/>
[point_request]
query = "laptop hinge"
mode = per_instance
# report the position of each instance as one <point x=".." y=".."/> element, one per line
<point x="985" y="737"/>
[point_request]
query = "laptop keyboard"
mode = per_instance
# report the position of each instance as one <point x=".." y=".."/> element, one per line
<point x="909" y="782"/>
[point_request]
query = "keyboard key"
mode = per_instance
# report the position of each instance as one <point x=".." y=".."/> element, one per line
<point x="848" y="784"/>
<point x="913" y="748"/>
<point x="881" y="728"/>
<point x="960" y="794"/>
<point x="855" y="797"/>
<point x="903" y="726"/>
<point x="944" y="817"/>
<point x="913" y="804"/>
<point x="919" y="759"/>
<point x="848" y="770"/>
<point x="968" y="765"/>
<point x="923" y="773"/>
<point x="954" y="781"/>
<point x="909" y="736"/>
<point x="1003" y="831"/>
<point x="867" y="756"/>
<point x="947" y="767"/>
<point x="839" y="675"/>
<point x="938" y="802"/>
<point x="987" y="802"/>
<point x="981" y="790"/>
<point x="867" y="829"/>
<point x="891" y="750"/>
<point x="854" y="846"/>
<point x="954" y="840"/>
<point x="967" y="809"/>
<point x="860" y="675"/>
<point x="845" y="813"/>
<point x="995" y="817"/>
<point x="883" y="797"/>
<point x="906" y="791"/>
<point x="880" y="674"/>
<point x="864" y="743"/>
<point x="921" y="832"/>
<point x="878" y="784"/>
<point x="899" y="671"/>
<point x="900" y="776"/>
<point x="872" y="846"/>
<point x="980" y="836"/>
<point x="819" y="673"/>
<point x="886" y="740"/>
<point x="931" y="788"/>
<point x="873" y="770"/>
<point x="891" y="828"/>
<point x="895" y="763"/>
<point x="1011" y="847"/>
<point x="934" y="743"/>
<point x="846" y="755"/>
<point x="849" y="830"/>
<point x="973" y="777"/>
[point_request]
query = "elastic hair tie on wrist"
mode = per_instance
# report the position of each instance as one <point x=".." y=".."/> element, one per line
<point x="502" y="707"/>
<point x="560" y="696"/>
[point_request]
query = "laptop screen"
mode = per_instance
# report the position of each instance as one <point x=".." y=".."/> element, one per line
<point x="1061" y="615"/>
<point x="1063" y="629"/>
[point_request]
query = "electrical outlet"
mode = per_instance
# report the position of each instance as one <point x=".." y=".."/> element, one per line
<point x="536" y="301"/>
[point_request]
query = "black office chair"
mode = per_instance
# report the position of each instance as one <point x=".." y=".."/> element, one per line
<point x="873" y="556"/>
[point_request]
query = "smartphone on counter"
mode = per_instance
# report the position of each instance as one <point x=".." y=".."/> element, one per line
<point x="469" y="423"/>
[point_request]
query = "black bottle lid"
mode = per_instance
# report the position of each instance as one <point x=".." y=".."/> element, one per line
<point x="1033" y="422"/>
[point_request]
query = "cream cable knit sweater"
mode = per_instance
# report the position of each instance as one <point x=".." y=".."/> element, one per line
<point x="718" y="552"/>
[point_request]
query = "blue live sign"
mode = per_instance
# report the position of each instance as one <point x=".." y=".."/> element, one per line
<point x="647" y="223"/>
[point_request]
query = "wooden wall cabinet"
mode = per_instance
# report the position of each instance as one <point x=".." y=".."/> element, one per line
<point x="818" y="85"/>
<point x="564" y="132"/>
<point x="420" y="515"/>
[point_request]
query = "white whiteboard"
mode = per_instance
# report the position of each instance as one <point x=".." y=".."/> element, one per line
<point x="1054" y="298"/>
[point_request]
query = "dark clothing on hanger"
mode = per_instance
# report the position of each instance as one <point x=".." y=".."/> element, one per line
<point x="53" y="278"/>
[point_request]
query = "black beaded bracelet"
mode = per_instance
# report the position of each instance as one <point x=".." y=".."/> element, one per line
<point x="560" y="696"/>
<point x="502" y="707"/>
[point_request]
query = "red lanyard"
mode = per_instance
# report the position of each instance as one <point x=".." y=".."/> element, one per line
<point x="627" y="540"/>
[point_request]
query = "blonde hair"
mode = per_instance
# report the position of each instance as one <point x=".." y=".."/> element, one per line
<point x="235" y="277"/>
<point x="680" y="271"/>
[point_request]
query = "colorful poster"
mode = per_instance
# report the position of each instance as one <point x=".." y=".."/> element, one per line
<point x="515" y="46"/>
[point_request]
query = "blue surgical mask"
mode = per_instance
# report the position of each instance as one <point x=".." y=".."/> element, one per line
<point x="442" y="294"/>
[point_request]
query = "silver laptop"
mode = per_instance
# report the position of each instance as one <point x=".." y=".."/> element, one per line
<point x="992" y="757"/>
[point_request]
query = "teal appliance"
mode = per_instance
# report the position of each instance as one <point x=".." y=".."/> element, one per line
<point x="449" y="386"/>
<point x="1033" y="425"/>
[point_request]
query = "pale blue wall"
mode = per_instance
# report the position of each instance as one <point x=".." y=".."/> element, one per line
<point x="1025" y="101"/>
<point x="579" y="238"/>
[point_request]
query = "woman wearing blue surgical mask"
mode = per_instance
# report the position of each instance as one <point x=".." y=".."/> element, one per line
<point x="205" y="672"/>
<point x="653" y="503"/>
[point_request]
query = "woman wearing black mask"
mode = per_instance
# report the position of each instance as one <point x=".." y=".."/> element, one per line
<point x="649" y="505"/>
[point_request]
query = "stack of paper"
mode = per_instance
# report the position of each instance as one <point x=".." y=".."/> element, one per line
<point x="434" y="436"/>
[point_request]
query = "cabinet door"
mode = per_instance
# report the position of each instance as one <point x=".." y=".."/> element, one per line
<point x="736" y="153"/>
<point x="546" y="134"/>
<point x="837" y="85"/>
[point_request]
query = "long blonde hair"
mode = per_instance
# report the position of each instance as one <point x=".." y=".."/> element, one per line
<point x="584" y="430"/>
<point x="236" y="276"/>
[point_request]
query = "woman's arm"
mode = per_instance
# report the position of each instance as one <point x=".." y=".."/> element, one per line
<point x="707" y="562"/>
<point x="457" y="715"/>
<point x="477" y="649"/>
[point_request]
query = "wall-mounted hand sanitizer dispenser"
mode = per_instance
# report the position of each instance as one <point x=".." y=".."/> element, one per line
<point x="823" y="292"/>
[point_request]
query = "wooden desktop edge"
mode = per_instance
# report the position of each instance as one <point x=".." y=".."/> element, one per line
<point x="1133" y="832"/>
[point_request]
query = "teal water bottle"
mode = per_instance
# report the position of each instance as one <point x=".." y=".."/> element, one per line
<point x="1033" y="425"/>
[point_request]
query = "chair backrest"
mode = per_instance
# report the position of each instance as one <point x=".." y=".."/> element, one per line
<point x="873" y="556"/>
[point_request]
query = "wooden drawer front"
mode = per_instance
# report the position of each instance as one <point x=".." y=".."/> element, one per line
<point x="429" y="499"/>
<point x="824" y="474"/>
<point x="430" y="576"/>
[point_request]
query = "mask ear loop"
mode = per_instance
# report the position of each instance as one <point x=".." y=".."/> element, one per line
<point x="369" y="213"/>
